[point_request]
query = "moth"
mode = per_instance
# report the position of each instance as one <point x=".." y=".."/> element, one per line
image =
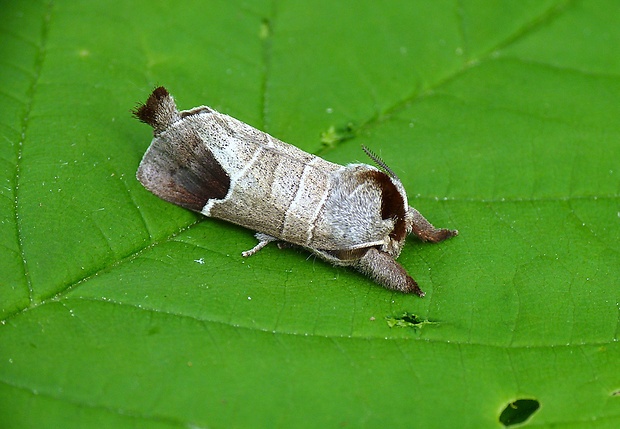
<point x="355" y="215"/>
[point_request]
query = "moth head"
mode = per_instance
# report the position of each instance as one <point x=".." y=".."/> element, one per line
<point x="394" y="205"/>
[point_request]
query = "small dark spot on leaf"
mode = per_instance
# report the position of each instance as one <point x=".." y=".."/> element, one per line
<point x="407" y="320"/>
<point x="518" y="411"/>
<point x="615" y="392"/>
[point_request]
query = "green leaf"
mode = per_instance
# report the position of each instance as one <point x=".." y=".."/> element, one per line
<point x="501" y="118"/>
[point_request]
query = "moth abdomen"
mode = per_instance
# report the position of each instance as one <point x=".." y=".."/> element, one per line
<point x="159" y="111"/>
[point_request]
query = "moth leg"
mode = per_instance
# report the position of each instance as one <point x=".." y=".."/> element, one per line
<point x="263" y="240"/>
<point x="425" y="231"/>
<point x="381" y="267"/>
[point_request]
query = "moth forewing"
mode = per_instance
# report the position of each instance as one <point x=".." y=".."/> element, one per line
<point x="354" y="215"/>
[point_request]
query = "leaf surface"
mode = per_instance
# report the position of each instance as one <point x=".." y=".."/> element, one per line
<point x="501" y="119"/>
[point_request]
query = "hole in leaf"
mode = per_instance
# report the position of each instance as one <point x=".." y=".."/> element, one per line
<point x="518" y="411"/>
<point x="407" y="320"/>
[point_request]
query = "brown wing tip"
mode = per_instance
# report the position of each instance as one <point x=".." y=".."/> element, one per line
<point x="159" y="111"/>
<point x="412" y="287"/>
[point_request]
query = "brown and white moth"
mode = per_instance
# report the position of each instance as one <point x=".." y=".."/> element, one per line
<point x="354" y="215"/>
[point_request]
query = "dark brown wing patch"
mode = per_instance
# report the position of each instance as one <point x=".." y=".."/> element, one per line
<point x="186" y="174"/>
<point x="392" y="203"/>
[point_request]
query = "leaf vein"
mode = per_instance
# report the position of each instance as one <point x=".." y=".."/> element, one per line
<point x="332" y="338"/>
<point x="30" y="94"/>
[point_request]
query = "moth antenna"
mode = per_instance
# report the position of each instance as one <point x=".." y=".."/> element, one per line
<point x="380" y="163"/>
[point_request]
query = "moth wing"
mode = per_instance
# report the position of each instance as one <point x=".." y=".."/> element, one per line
<point x="182" y="170"/>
